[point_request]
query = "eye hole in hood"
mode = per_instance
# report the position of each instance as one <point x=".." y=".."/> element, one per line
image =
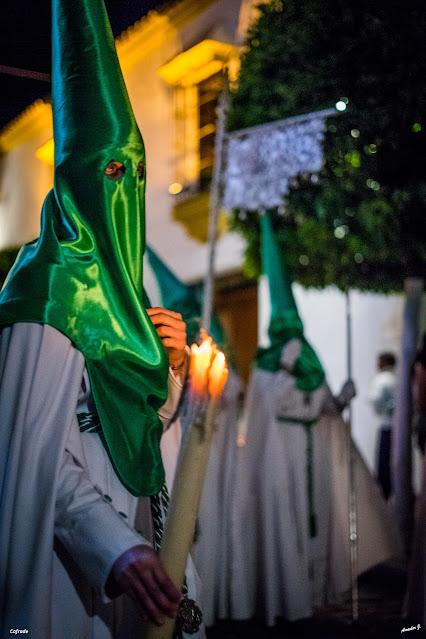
<point x="141" y="170"/>
<point x="114" y="170"/>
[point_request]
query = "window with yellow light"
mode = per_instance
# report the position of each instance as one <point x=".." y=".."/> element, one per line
<point x="197" y="76"/>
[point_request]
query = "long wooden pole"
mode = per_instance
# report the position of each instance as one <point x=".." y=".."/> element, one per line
<point x="352" y="500"/>
<point x="214" y="209"/>
<point x="403" y="495"/>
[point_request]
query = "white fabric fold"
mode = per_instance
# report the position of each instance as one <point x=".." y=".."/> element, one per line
<point x="58" y="485"/>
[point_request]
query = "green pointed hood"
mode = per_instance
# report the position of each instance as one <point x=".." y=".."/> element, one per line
<point x="285" y="323"/>
<point x="84" y="274"/>
<point x="91" y="108"/>
<point x="175" y="295"/>
<point x="182" y="298"/>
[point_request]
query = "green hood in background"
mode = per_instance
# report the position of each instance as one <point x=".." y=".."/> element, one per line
<point x="183" y="298"/>
<point x="285" y="323"/>
<point x="84" y="275"/>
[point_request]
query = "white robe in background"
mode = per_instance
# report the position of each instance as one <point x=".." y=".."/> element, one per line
<point x="211" y="551"/>
<point x="277" y="569"/>
<point x="58" y="487"/>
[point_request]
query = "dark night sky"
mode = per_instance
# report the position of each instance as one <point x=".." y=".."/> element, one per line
<point x="25" y="43"/>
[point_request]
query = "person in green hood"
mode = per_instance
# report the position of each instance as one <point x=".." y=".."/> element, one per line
<point x="89" y="374"/>
<point x="290" y="510"/>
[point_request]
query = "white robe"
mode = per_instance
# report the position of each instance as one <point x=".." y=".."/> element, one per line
<point x="211" y="551"/>
<point x="277" y="569"/>
<point x="58" y="487"/>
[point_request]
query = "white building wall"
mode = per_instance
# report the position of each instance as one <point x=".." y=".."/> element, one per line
<point x="25" y="180"/>
<point x="24" y="183"/>
<point x="153" y="103"/>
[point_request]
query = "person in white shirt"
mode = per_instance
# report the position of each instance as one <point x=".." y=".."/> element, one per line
<point x="382" y="398"/>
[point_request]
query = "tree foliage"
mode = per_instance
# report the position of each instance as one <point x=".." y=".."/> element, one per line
<point x="361" y="221"/>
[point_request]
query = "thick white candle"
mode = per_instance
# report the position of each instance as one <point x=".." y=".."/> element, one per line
<point x="208" y="373"/>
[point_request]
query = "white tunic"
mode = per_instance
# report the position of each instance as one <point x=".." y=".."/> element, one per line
<point x="277" y="569"/>
<point x="58" y="487"/>
<point x="211" y="551"/>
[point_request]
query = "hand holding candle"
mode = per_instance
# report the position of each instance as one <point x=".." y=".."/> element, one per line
<point x="208" y="374"/>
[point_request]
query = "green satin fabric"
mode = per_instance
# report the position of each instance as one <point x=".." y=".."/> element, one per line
<point x="285" y="323"/>
<point x="175" y="295"/>
<point x="84" y="275"/>
<point x="307" y="369"/>
<point x="183" y="298"/>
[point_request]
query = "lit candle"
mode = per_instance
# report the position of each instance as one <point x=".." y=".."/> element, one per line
<point x="200" y="362"/>
<point x="208" y="375"/>
<point x="218" y="375"/>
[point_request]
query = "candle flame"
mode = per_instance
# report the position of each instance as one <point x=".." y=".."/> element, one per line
<point x="218" y="375"/>
<point x="207" y="370"/>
